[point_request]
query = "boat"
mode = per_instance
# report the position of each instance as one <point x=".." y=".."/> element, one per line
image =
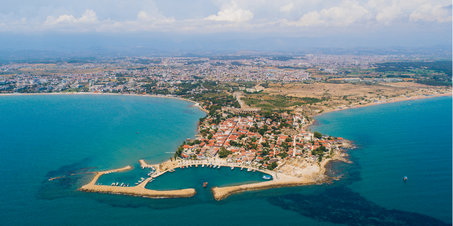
<point x="254" y="170"/>
<point x="232" y="168"/>
<point x="202" y="165"/>
<point x="248" y="170"/>
<point x="218" y="167"/>
<point x="137" y="132"/>
<point x="136" y="183"/>
<point x="116" y="184"/>
<point x="113" y="184"/>
<point x="122" y="184"/>
<point x="267" y="177"/>
<point x="127" y="185"/>
<point x="205" y="184"/>
<point x="242" y="168"/>
<point x="404" y="178"/>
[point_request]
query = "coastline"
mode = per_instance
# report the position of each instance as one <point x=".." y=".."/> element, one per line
<point x="387" y="102"/>
<point x="115" y="94"/>
<point x="219" y="192"/>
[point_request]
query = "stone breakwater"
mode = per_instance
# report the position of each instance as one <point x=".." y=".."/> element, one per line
<point x="138" y="190"/>
<point x="223" y="192"/>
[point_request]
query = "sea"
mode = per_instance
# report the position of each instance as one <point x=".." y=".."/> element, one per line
<point x="71" y="136"/>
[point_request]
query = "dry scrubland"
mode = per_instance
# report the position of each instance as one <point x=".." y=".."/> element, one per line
<point x="336" y="96"/>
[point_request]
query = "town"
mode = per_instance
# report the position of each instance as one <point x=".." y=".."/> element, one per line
<point x="266" y="141"/>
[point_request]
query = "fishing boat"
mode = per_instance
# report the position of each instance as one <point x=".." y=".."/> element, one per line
<point x="205" y="184"/>
<point x="404" y="178"/>
<point x="267" y="177"/>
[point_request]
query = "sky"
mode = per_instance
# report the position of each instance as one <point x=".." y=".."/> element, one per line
<point x="386" y="21"/>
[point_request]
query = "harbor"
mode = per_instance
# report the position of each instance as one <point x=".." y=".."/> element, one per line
<point x="138" y="190"/>
<point x="182" y="181"/>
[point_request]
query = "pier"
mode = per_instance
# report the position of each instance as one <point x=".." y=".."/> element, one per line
<point x="138" y="190"/>
<point x="283" y="181"/>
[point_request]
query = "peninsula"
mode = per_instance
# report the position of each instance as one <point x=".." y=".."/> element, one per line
<point x="257" y="108"/>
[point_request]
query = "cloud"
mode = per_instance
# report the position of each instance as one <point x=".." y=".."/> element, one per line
<point x="429" y="13"/>
<point x="88" y="17"/>
<point x="287" y="8"/>
<point x="347" y="13"/>
<point x="232" y="14"/>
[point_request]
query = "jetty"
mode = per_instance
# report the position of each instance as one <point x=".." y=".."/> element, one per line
<point x="138" y="190"/>
<point x="282" y="181"/>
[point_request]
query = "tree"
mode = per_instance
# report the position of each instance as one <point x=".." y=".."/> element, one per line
<point x="272" y="166"/>
<point x="223" y="153"/>
<point x="317" y="135"/>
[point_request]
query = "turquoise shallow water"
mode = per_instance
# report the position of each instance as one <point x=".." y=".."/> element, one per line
<point x="410" y="138"/>
<point x="47" y="136"/>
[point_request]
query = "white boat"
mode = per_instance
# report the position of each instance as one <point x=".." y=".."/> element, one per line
<point x="242" y="168"/>
<point x="113" y="184"/>
<point x="202" y="165"/>
<point x="121" y="184"/>
<point x="232" y="168"/>
<point x="116" y="184"/>
<point x="218" y="167"/>
<point x="267" y="177"/>
<point x="248" y="170"/>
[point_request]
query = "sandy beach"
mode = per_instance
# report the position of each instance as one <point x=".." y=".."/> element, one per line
<point x="386" y="102"/>
<point x="196" y="104"/>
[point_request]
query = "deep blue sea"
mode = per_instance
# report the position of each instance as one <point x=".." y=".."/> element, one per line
<point x="72" y="135"/>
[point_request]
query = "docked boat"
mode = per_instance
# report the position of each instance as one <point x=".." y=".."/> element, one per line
<point x="116" y="184"/>
<point x="202" y="166"/>
<point x="205" y="184"/>
<point x="232" y="168"/>
<point x="267" y="177"/>
<point x="242" y="168"/>
<point x="248" y="170"/>
<point x="113" y="184"/>
<point x="218" y="167"/>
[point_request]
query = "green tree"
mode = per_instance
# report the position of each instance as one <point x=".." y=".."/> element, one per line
<point x="317" y="135"/>
<point x="223" y="153"/>
<point x="272" y="166"/>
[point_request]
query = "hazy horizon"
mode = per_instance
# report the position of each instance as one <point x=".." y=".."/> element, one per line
<point x="208" y="26"/>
